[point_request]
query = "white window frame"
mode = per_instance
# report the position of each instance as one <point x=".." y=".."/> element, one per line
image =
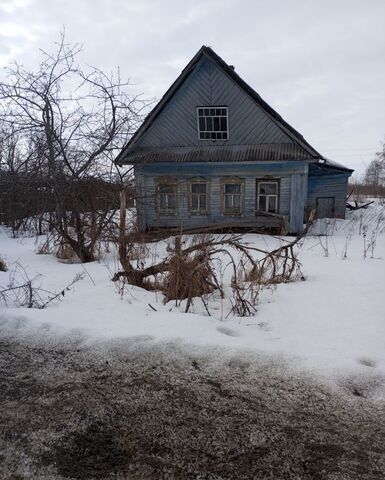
<point x="198" y="211"/>
<point x="233" y="181"/>
<point x="273" y="195"/>
<point x="212" y="116"/>
<point x="169" y="182"/>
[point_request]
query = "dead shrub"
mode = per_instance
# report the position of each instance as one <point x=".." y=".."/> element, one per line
<point x="66" y="253"/>
<point x="47" y="246"/>
<point x="188" y="276"/>
<point x="3" y="265"/>
<point x="279" y="266"/>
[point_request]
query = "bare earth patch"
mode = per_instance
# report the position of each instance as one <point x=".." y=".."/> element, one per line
<point x="127" y="410"/>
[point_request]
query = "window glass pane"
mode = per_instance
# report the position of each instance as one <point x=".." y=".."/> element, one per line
<point x="236" y="202"/>
<point x="213" y="120"/>
<point x="228" y="202"/>
<point x="163" y="202"/>
<point x="207" y="135"/>
<point x="268" y="188"/>
<point x="232" y="188"/>
<point x="272" y="204"/>
<point x="166" y="188"/>
<point x="203" y="199"/>
<point x="198" y="188"/>
<point x="194" y="202"/>
<point x="262" y="203"/>
<point x="171" y="202"/>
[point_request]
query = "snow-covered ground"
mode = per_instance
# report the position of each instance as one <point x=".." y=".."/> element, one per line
<point x="332" y="323"/>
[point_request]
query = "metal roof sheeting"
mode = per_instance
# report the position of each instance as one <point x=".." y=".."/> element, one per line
<point x="230" y="153"/>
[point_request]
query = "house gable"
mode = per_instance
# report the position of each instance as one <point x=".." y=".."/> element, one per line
<point x="209" y="81"/>
<point x="208" y="85"/>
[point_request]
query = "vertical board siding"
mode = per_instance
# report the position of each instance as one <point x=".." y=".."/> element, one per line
<point x="208" y="85"/>
<point x="297" y="202"/>
<point x="329" y="185"/>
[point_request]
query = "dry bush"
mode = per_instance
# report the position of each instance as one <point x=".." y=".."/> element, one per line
<point x="279" y="266"/>
<point x="48" y="245"/>
<point x="66" y="253"/>
<point x="189" y="275"/>
<point x="189" y="272"/>
<point x="3" y="265"/>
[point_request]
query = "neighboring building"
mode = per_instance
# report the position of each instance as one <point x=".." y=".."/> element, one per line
<point x="213" y="153"/>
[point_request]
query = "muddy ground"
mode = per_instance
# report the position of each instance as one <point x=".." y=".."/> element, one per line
<point x="134" y="410"/>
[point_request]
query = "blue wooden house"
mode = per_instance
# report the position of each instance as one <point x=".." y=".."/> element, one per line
<point x="212" y="153"/>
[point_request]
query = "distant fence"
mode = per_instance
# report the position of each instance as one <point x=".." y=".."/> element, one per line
<point x="366" y="190"/>
<point x="21" y="199"/>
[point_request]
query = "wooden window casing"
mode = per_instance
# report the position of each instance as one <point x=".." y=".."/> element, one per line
<point x="233" y="196"/>
<point x="198" y="196"/>
<point x="213" y="123"/>
<point x="167" y="196"/>
<point x="267" y="195"/>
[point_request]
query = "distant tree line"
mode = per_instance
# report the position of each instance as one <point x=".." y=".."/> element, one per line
<point x="373" y="182"/>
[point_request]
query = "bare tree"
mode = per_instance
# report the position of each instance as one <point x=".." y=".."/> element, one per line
<point x="375" y="171"/>
<point x="81" y="118"/>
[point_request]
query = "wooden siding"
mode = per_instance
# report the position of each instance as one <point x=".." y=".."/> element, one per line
<point x="292" y="176"/>
<point x="208" y="85"/>
<point x="297" y="201"/>
<point x="328" y="185"/>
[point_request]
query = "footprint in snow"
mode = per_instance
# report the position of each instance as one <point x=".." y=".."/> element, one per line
<point x="228" y="331"/>
<point x="368" y="362"/>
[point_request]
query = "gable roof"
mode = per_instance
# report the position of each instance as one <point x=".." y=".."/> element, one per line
<point x="302" y="148"/>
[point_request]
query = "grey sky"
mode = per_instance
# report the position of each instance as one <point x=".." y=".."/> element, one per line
<point x="319" y="63"/>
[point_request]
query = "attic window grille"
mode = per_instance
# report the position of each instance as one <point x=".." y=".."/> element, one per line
<point x="213" y="123"/>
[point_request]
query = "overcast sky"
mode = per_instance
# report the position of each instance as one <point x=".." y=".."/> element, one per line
<point x="319" y="63"/>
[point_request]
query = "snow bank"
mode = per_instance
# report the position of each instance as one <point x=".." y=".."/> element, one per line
<point x="333" y="322"/>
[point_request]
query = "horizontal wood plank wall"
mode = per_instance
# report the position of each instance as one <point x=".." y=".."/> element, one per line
<point x="208" y="85"/>
<point x="329" y="185"/>
<point x="147" y="176"/>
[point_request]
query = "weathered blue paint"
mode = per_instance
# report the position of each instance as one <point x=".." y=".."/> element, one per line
<point x="261" y="144"/>
<point x="207" y="85"/>
<point x="225" y="168"/>
<point x="324" y="182"/>
<point x="292" y="177"/>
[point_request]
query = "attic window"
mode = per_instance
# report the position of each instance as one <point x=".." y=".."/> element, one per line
<point x="213" y="123"/>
